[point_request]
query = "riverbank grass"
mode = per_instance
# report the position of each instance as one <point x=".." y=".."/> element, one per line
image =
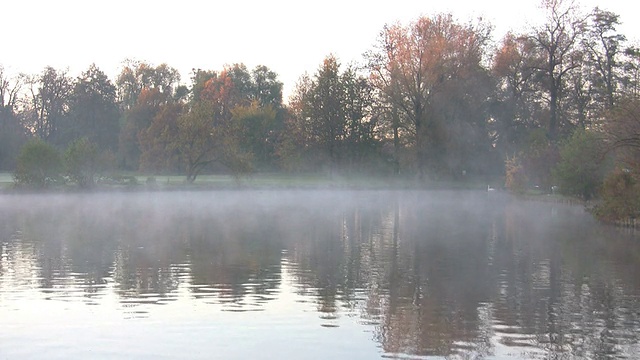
<point x="266" y="181"/>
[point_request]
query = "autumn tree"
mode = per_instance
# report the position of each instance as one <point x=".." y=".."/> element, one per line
<point x="622" y="128"/>
<point x="516" y="107"/>
<point x="136" y="76"/>
<point x="158" y="152"/>
<point x="221" y="124"/>
<point x="142" y="90"/>
<point x="197" y="139"/>
<point x="252" y="100"/>
<point x="412" y="64"/>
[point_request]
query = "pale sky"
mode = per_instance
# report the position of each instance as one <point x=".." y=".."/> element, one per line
<point x="290" y="37"/>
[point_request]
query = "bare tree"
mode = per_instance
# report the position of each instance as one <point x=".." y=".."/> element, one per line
<point x="558" y="42"/>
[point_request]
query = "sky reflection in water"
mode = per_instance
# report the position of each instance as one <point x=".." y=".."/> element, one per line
<point x="312" y="274"/>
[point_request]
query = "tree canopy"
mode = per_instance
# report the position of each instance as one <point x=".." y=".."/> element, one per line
<point x="435" y="98"/>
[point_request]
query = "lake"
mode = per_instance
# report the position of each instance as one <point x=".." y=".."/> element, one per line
<point x="313" y="274"/>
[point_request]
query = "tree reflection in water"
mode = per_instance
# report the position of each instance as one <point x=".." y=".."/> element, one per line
<point x="428" y="273"/>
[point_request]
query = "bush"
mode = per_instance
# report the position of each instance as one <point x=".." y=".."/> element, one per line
<point x="82" y="162"/>
<point x="515" y="177"/>
<point x="39" y="165"/>
<point x="580" y="171"/>
<point x="620" y="197"/>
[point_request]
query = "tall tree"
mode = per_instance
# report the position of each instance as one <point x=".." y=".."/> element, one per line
<point x="604" y="45"/>
<point x="557" y="41"/>
<point x="255" y="124"/>
<point x="266" y="87"/>
<point x="137" y="119"/>
<point x="94" y="112"/>
<point x="334" y="109"/>
<point x="157" y="151"/>
<point x="516" y="108"/>
<point x="136" y="76"/>
<point x="142" y="89"/>
<point x="413" y="63"/>
<point x="631" y="75"/>
<point x="247" y="99"/>
<point x="49" y="103"/>
<point x="196" y="139"/>
<point x="11" y="130"/>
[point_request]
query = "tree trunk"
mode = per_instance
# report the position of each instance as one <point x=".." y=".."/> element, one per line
<point x="553" y="109"/>
<point x="396" y="142"/>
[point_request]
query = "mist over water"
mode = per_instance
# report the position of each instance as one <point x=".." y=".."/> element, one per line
<point x="313" y="274"/>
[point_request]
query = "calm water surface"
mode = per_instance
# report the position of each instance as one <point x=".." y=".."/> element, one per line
<point x="313" y="275"/>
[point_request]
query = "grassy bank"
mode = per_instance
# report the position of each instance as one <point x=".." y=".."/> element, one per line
<point x="262" y="181"/>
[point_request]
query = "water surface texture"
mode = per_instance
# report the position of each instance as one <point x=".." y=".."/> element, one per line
<point x="313" y="275"/>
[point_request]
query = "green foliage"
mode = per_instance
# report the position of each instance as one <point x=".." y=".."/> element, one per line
<point x="620" y="197"/>
<point x="93" y="111"/>
<point x="82" y="162"/>
<point x="255" y="124"/>
<point x="39" y="165"/>
<point x="580" y="171"/>
<point x="331" y="125"/>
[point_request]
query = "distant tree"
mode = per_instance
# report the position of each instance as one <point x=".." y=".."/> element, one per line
<point x="136" y="76"/>
<point x="142" y="89"/>
<point x="83" y="162"/>
<point x="137" y="119"/>
<point x="557" y="43"/>
<point x="334" y="108"/>
<point x="413" y="63"/>
<point x="604" y="46"/>
<point x="48" y="105"/>
<point x="255" y="124"/>
<point x="516" y="107"/>
<point x="201" y="140"/>
<point x="252" y="101"/>
<point x="222" y="93"/>
<point x="363" y="128"/>
<point x="191" y="140"/>
<point x="631" y="74"/>
<point x="39" y="165"/>
<point x="94" y="112"/>
<point x="156" y="140"/>
<point x="12" y="133"/>
<point x="622" y="130"/>
<point x="266" y="88"/>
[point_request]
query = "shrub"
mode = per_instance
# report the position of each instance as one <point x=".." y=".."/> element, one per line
<point x="39" y="165"/>
<point x="516" y="179"/>
<point x="620" y="197"/>
<point x="82" y="162"/>
<point x="581" y="168"/>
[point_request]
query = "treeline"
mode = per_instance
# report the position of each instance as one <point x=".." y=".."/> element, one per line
<point x="434" y="98"/>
